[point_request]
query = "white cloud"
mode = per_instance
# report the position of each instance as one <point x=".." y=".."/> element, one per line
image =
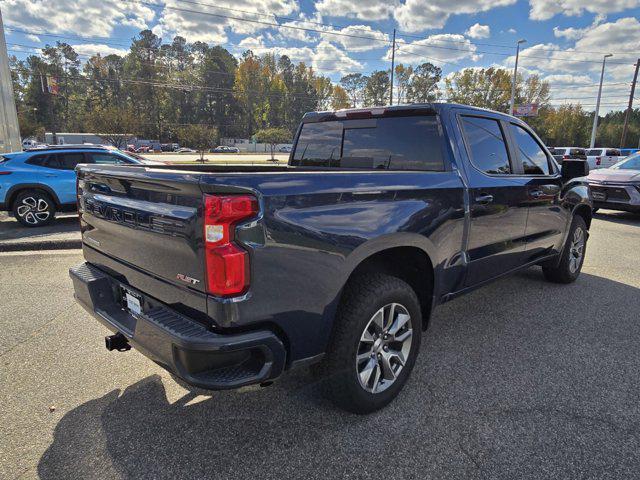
<point x="411" y="15"/>
<point x="362" y="9"/>
<point x="82" y="17"/>
<point x="326" y="58"/>
<point x="479" y="31"/>
<point x="416" y="15"/>
<point x="546" y="9"/>
<point x="34" y="38"/>
<point x="199" y="23"/>
<point x="512" y="31"/>
<point x="437" y="49"/>
<point x="349" y="38"/>
<point x="95" y="48"/>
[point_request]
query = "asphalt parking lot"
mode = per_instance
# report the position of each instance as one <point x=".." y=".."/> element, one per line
<point x="521" y="379"/>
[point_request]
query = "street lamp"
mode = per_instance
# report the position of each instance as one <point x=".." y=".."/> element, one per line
<point x="595" y="117"/>
<point x="515" y="74"/>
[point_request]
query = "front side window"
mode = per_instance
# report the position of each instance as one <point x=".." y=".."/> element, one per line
<point x="613" y="153"/>
<point x="389" y="143"/>
<point x="534" y="159"/>
<point x="594" y="152"/>
<point x="487" y="145"/>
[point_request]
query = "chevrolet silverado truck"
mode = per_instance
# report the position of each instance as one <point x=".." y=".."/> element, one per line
<point x="229" y="276"/>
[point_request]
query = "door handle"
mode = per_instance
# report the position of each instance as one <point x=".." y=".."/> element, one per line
<point x="50" y="175"/>
<point x="545" y="191"/>
<point x="484" y="199"/>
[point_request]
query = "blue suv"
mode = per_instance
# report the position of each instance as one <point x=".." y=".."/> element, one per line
<point x="37" y="183"/>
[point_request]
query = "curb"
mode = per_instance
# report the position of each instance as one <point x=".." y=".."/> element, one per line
<point x="41" y="245"/>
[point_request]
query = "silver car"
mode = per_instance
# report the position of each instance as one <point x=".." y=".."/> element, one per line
<point x="618" y="187"/>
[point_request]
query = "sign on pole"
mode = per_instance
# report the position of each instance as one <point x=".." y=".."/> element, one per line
<point x="526" y="110"/>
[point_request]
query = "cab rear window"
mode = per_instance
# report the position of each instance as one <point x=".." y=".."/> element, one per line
<point x="390" y="143"/>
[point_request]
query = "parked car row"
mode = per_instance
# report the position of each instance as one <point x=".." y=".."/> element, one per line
<point x="596" y="157"/>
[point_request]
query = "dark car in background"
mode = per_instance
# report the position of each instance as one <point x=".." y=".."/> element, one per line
<point x="617" y="187"/>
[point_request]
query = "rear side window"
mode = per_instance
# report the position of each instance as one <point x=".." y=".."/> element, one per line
<point x="392" y="143"/>
<point x="613" y="153"/>
<point x="487" y="145"/>
<point x="68" y="161"/>
<point x="39" y="160"/>
<point x="557" y="151"/>
<point x="533" y="157"/>
<point x="104" y="158"/>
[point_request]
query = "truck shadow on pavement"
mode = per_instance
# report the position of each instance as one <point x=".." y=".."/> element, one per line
<point x="542" y="385"/>
<point x="624" y="218"/>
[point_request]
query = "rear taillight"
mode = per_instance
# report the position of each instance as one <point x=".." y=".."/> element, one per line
<point x="598" y="160"/>
<point x="566" y="157"/>
<point x="5" y="173"/>
<point x="227" y="264"/>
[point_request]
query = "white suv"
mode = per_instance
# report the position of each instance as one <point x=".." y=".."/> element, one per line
<point x="603" y="157"/>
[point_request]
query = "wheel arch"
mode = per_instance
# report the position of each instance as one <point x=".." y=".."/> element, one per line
<point x="409" y="261"/>
<point x="13" y="192"/>
<point x="586" y="212"/>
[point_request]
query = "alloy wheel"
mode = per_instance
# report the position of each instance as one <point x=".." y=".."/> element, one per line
<point x="384" y="348"/>
<point x="576" y="251"/>
<point x="34" y="210"/>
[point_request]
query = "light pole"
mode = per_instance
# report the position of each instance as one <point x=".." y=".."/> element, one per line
<point x="595" y="116"/>
<point x="515" y="76"/>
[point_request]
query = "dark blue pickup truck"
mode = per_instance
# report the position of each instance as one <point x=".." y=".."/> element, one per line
<point x="228" y="276"/>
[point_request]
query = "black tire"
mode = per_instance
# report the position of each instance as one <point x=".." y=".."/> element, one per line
<point x="594" y="210"/>
<point x="33" y="208"/>
<point x="567" y="271"/>
<point x="363" y="298"/>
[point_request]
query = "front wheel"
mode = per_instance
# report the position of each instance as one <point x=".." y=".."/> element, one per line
<point x="375" y="342"/>
<point x="572" y="258"/>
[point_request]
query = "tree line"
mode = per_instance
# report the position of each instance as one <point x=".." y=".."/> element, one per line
<point x="180" y="91"/>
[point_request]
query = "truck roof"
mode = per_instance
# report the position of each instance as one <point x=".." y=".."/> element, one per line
<point x="390" y="109"/>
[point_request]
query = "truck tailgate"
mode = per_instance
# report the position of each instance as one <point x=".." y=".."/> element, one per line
<point x="145" y="218"/>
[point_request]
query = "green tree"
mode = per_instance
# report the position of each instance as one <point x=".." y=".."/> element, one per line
<point x="199" y="137"/>
<point x="273" y="136"/>
<point x="376" y="91"/>
<point x="354" y="84"/>
<point x="117" y="125"/>
<point x="423" y="83"/>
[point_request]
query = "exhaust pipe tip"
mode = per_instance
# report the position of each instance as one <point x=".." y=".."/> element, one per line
<point x="117" y="342"/>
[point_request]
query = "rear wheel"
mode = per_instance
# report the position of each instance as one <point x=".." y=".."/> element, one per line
<point x="570" y="265"/>
<point x="34" y="208"/>
<point x="375" y="342"/>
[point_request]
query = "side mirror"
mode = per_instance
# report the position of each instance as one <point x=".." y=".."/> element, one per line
<point x="573" y="168"/>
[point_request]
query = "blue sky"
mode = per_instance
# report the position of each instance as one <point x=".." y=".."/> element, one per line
<point x="566" y="39"/>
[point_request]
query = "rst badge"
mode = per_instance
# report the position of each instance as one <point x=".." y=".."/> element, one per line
<point x="186" y="278"/>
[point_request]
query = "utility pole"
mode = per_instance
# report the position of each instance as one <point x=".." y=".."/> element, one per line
<point x="393" y="61"/>
<point x="595" y="116"/>
<point x="623" y="139"/>
<point x="515" y="77"/>
<point x="9" y="130"/>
